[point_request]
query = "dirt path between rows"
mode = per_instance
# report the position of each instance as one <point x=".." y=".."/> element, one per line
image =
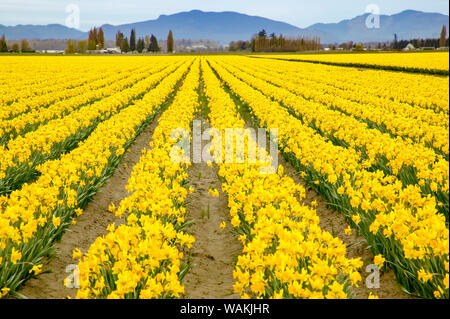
<point x="335" y="223"/>
<point x="89" y="226"/>
<point x="214" y="250"/>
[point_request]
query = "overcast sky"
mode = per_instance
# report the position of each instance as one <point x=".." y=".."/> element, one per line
<point x="301" y="13"/>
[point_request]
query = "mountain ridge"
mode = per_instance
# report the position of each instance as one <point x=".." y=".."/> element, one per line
<point x="227" y="26"/>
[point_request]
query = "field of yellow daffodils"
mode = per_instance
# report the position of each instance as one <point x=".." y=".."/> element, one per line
<point x="416" y="62"/>
<point x="374" y="144"/>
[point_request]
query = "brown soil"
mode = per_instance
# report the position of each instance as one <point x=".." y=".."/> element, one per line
<point x="88" y="227"/>
<point x="335" y="223"/>
<point x="214" y="249"/>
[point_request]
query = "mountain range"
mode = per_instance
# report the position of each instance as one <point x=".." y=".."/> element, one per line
<point x="224" y="27"/>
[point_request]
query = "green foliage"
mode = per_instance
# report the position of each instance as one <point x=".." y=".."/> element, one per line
<point x="125" y="45"/>
<point x="74" y="46"/>
<point x="101" y="39"/>
<point x="3" y="44"/>
<point x="442" y="40"/>
<point x="71" y="46"/>
<point x="119" y="39"/>
<point x="133" y="40"/>
<point x="16" y="48"/>
<point x="170" y="43"/>
<point x="25" y="46"/>
<point x="140" y="45"/>
<point x="154" y="47"/>
<point x="359" y="47"/>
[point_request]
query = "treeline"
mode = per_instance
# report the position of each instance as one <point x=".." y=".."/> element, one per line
<point x="148" y="43"/>
<point x="419" y="43"/>
<point x="396" y="44"/>
<point x="145" y="44"/>
<point x="442" y="41"/>
<point x="273" y="43"/>
<point x="24" y="46"/>
<point x="96" y="41"/>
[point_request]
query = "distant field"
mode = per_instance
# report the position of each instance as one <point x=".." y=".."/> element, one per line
<point x="86" y="168"/>
<point x="423" y="62"/>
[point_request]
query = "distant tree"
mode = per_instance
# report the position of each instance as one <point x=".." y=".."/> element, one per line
<point x="101" y="39"/>
<point x="133" y="40"/>
<point x="125" y="45"/>
<point x="3" y="44"/>
<point x="147" y="42"/>
<point x="82" y="46"/>
<point x="92" y="39"/>
<point x="92" y="45"/>
<point x="140" y="46"/>
<point x="91" y="35"/>
<point x="154" y="47"/>
<point x="71" y="46"/>
<point x="24" y="46"/>
<point x="239" y="46"/>
<point x="16" y="48"/>
<point x="262" y="33"/>
<point x="170" y="42"/>
<point x="359" y="47"/>
<point x="95" y="34"/>
<point x="443" y="36"/>
<point x="119" y="39"/>
<point x="395" y="46"/>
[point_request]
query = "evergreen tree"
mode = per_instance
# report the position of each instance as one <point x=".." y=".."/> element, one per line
<point x="71" y="46"/>
<point x="92" y="39"/>
<point x="92" y="45"/>
<point x="82" y="46"/>
<point x="101" y="39"/>
<point x="140" y="45"/>
<point x="443" y="36"/>
<point x="119" y="39"/>
<point x="16" y="48"/>
<point x="3" y="44"/>
<point x="125" y="45"/>
<point x="133" y="40"/>
<point x="24" y="46"/>
<point x="154" y="47"/>
<point x="95" y="33"/>
<point x="170" y="43"/>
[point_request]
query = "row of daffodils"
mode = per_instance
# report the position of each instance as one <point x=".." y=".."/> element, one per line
<point x="35" y="216"/>
<point x="374" y="144"/>
<point x="143" y="258"/>
<point x="29" y="82"/>
<point x="397" y="222"/>
<point x="423" y="62"/>
<point x="20" y="156"/>
<point x="95" y="89"/>
<point x="412" y="163"/>
<point x="286" y="254"/>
